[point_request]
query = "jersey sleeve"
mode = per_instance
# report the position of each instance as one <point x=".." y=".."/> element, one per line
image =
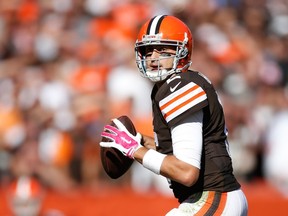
<point x="189" y="97"/>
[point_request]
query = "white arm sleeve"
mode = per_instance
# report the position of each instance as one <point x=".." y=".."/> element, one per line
<point x="187" y="140"/>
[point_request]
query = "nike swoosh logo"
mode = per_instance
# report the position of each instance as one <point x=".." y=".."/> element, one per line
<point x="125" y="140"/>
<point x="172" y="89"/>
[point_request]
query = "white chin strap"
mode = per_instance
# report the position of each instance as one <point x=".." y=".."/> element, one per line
<point x="156" y="76"/>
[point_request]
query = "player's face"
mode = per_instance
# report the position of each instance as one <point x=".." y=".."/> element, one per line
<point x="159" y="57"/>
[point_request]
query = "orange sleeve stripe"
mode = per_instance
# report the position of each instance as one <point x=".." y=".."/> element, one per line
<point x="207" y="204"/>
<point x="179" y="96"/>
<point x="183" y="104"/>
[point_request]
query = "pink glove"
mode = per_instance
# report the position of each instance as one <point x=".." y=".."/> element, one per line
<point x="121" y="139"/>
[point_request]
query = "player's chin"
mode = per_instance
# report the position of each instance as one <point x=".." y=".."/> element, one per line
<point x="153" y="69"/>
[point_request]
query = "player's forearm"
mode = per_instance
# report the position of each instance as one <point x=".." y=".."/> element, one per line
<point x="168" y="166"/>
<point x="179" y="171"/>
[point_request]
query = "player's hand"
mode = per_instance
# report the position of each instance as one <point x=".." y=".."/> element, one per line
<point x="121" y="139"/>
<point x="148" y="142"/>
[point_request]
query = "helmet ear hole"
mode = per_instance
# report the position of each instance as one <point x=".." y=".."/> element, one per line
<point x="183" y="52"/>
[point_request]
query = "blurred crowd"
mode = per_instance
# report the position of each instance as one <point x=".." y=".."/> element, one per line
<point x="68" y="66"/>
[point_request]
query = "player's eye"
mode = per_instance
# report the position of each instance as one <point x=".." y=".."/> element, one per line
<point x="149" y="51"/>
<point x="166" y="54"/>
<point x="162" y="53"/>
<point x="148" y="54"/>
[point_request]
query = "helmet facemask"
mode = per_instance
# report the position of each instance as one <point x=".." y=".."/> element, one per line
<point x="180" y="61"/>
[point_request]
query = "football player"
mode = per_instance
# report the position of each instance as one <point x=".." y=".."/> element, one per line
<point x="25" y="196"/>
<point x="190" y="146"/>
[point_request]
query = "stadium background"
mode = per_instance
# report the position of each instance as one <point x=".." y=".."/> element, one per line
<point x="67" y="67"/>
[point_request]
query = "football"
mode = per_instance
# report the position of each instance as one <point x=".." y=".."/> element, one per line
<point x="113" y="161"/>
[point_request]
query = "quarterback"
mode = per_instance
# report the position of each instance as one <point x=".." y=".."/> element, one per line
<point x="190" y="146"/>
